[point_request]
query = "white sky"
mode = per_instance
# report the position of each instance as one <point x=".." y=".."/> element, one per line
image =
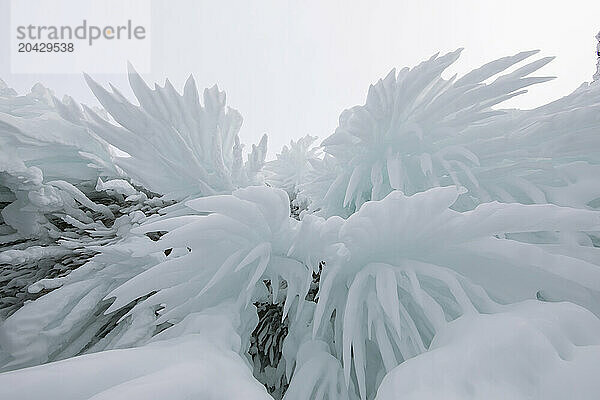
<point x="291" y="67"/>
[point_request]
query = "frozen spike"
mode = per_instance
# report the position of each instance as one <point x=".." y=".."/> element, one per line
<point x="529" y="68"/>
<point x="190" y="92"/>
<point x="256" y="253"/>
<point x="101" y="94"/>
<point x="387" y="293"/>
<point x="494" y="67"/>
<point x="117" y="93"/>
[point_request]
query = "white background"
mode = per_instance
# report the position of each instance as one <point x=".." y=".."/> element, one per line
<point x="291" y="67"/>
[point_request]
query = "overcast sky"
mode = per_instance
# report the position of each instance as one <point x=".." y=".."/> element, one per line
<point x="291" y="67"/>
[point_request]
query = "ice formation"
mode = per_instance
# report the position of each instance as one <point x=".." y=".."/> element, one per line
<point x="418" y="130"/>
<point x="294" y="165"/>
<point x="432" y="246"/>
<point x="65" y="185"/>
<point x="177" y="146"/>
<point x="50" y="216"/>
<point x="201" y="360"/>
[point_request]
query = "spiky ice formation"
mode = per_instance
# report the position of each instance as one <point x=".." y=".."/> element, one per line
<point x="418" y="130"/>
<point x="390" y="282"/>
<point x="177" y="146"/>
<point x="293" y="164"/>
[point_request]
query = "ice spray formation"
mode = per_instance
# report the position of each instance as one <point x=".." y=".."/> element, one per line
<point x="434" y="245"/>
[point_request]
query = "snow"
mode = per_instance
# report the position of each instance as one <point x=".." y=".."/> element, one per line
<point x="120" y="186"/>
<point x="318" y="374"/>
<point x="529" y="350"/>
<point x="204" y="364"/>
<point x="403" y="280"/>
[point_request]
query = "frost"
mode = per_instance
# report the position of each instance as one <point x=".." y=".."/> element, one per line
<point x="70" y="320"/>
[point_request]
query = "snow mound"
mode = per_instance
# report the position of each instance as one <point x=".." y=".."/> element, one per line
<point x="530" y="350"/>
<point x="201" y="363"/>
